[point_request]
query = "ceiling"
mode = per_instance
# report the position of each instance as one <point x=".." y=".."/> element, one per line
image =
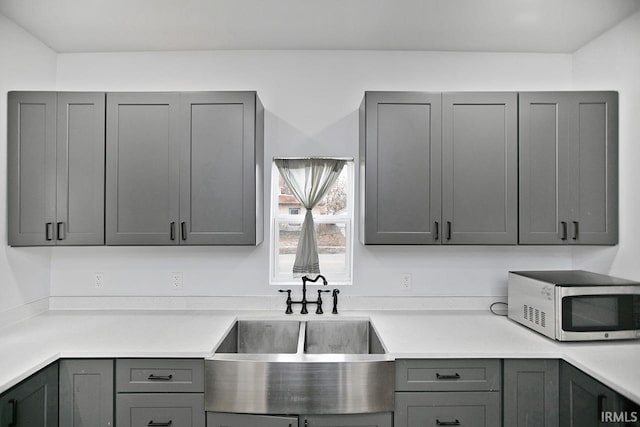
<point x="558" y="26"/>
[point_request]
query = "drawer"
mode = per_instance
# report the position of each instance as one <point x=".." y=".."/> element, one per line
<point x="160" y="375"/>
<point x="435" y="409"/>
<point x="160" y="410"/>
<point x="220" y="419"/>
<point x="448" y="375"/>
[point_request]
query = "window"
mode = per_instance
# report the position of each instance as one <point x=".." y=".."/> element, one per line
<point x="333" y="218"/>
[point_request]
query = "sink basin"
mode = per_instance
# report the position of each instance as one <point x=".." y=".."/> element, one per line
<point x="261" y="337"/>
<point x="342" y="337"/>
<point x="300" y="367"/>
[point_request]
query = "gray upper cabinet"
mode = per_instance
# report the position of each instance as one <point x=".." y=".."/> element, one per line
<point x="438" y="168"/>
<point x="569" y="168"/>
<point x="480" y="168"/>
<point x="142" y="168"/>
<point x="219" y="198"/>
<point x="56" y="168"/>
<point x="184" y="168"/>
<point x="400" y="153"/>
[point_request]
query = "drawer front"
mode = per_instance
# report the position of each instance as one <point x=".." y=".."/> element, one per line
<point x="468" y="409"/>
<point x="160" y="410"/>
<point x="160" y="375"/>
<point x="448" y="375"/>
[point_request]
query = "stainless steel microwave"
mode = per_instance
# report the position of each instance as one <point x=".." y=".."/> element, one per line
<point x="575" y="305"/>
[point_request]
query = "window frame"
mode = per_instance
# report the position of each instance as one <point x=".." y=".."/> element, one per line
<point x="346" y="218"/>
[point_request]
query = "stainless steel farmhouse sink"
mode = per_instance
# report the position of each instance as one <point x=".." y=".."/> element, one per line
<point x="300" y="367"/>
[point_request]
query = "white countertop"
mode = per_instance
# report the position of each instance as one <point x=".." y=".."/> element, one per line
<point x="28" y="346"/>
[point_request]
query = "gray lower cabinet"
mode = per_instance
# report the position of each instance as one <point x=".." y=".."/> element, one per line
<point x="33" y="402"/>
<point x="56" y="168"/>
<point x="585" y="402"/>
<point x="474" y="409"/>
<point x="568" y="168"/>
<point x="384" y="419"/>
<point x="439" y="168"/>
<point x="86" y="393"/>
<point x="530" y="393"/>
<point x="160" y="410"/>
<point x="220" y="419"/>
<point x="184" y="168"/>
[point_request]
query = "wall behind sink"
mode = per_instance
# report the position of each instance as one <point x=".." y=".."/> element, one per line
<point x="26" y="64"/>
<point x="311" y="100"/>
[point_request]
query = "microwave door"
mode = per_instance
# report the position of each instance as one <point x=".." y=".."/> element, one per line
<point x="598" y="313"/>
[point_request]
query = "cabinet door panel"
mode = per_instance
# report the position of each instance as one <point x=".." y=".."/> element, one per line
<point x="80" y="168"/>
<point x="33" y="402"/>
<point x="218" y="173"/>
<point x="594" y="171"/>
<point x="142" y="169"/>
<point x="479" y="168"/>
<point x="86" y="393"/>
<point x="219" y="419"/>
<point x="31" y="168"/>
<point x="402" y="146"/>
<point x="544" y="176"/>
<point x="531" y="393"/>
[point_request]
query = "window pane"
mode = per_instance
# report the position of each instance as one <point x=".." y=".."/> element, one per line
<point x="331" y="248"/>
<point x="333" y="203"/>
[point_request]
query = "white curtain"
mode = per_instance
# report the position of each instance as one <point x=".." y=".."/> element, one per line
<point x="309" y="180"/>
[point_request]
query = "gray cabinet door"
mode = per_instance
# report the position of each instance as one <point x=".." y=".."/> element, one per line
<point x="384" y="419"/>
<point x="218" y="168"/>
<point x="31" y="168"/>
<point x="160" y="410"/>
<point x="593" y="145"/>
<point x="584" y="402"/>
<point x="431" y="409"/>
<point x="80" y="169"/>
<point x="530" y="396"/>
<point x="479" y="168"/>
<point x="142" y="169"/>
<point x="400" y="145"/>
<point x="86" y="393"/>
<point x="220" y="419"/>
<point x="33" y="402"/>
<point x="544" y="172"/>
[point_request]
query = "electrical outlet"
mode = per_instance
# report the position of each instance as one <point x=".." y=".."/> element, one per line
<point x="98" y="280"/>
<point x="176" y="280"/>
<point x="405" y="281"/>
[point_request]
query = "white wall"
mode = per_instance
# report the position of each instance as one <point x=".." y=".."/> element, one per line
<point x="612" y="61"/>
<point x="27" y="64"/>
<point x="311" y="101"/>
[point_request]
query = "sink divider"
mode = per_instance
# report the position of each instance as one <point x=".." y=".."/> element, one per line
<point x="302" y="333"/>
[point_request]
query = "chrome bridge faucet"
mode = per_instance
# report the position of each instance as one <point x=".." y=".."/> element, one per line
<point x="304" y="302"/>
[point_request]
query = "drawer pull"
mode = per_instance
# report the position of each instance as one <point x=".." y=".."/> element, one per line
<point x="153" y="377"/>
<point x="155" y="424"/>
<point x="447" y="423"/>
<point x="14" y="412"/>
<point x="455" y="376"/>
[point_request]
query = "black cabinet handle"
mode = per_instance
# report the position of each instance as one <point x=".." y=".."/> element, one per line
<point x="455" y="376"/>
<point x="183" y="230"/>
<point x="14" y="413"/>
<point x="153" y="377"/>
<point x="172" y="231"/>
<point x="436" y="233"/>
<point x="48" y="231"/>
<point x="448" y="230"/>
<point x="563" y="225"/>
<point x="575" y="230"/>
<point x="60" y="231"/>
<point x="448" y="423"/>
<point x="162" y="424"/>
<point x="601" y="399"/>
